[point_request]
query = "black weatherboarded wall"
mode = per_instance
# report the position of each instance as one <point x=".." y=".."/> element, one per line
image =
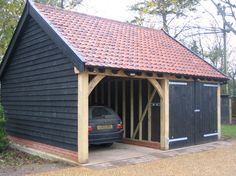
<point x="224" y="109"/>
<point x="39" y="91"/>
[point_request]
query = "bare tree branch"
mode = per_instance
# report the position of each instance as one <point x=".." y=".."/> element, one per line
<point x="222" y="12"/>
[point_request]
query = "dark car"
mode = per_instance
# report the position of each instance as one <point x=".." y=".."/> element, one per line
<point x="105" y="126"/>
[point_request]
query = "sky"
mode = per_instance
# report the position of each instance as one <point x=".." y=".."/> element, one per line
<point x="113" y="9"/>
<point x="119" y="10"/>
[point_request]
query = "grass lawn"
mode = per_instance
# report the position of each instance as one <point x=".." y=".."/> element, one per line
<point x="229" y="131"/>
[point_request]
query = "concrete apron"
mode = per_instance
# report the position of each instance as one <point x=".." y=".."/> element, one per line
<point x="124" y="154"/>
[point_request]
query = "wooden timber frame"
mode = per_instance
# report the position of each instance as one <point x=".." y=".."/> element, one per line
<point x="161" y="86"/>
<point x="85" y="87"/>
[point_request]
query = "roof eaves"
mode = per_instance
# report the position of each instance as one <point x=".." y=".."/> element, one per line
<point x="14" y="39"/>
<point x="55" y="35"/>
<point x="216" y="69"/>
<point x="168" y="73"/>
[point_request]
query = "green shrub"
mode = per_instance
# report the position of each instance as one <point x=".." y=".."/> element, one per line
<point x="3" y="135"/>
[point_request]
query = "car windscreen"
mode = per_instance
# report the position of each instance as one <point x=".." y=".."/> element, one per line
<point x="101" y="112"/>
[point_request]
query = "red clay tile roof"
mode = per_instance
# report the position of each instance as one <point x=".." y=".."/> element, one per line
<point x="108" y="43"/>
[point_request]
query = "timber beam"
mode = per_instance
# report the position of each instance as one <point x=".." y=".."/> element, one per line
<point x="157" y="86"/>
<point x="144" y="74"/>
<point x="93" y="83"/>
<point x="76" y="71"/>
<point x="121" y="73"/>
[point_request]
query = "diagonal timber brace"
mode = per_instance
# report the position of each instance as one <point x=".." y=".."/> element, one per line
<point x="93" y="83"/>
<point x="144" y="113"/>
<point x="157" y="86"/>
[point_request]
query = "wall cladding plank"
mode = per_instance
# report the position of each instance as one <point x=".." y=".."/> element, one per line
<point x="39" y="91"/>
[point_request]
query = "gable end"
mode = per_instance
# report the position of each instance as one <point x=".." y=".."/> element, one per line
<point x="65" y="47"/>
<point x="39" y="90"/>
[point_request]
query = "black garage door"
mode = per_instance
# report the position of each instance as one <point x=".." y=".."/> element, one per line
<point x="193" y="113"/>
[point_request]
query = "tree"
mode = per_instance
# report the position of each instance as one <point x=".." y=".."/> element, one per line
<point x="210" y="49"/>
<point x="232" y="75"/>
<point x="227" y="10"/>
<point x="140" y="19"/>
<point x="68" y="4"/>
<point x="167" y="10"/>
<point x="10" y="13"/>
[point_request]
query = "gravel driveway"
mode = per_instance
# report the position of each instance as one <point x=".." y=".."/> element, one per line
<point x="217" y="162"/>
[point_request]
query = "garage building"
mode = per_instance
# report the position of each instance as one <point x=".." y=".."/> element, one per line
<point x="61" y="62"/>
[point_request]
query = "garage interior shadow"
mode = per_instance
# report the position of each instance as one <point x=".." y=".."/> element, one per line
<point x="129" y="99"/>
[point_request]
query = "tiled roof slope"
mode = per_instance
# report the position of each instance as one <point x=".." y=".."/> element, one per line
<point x="108" y="43"/>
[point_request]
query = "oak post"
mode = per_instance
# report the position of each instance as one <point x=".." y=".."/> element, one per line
<point x="140" y="110"/>
<point x="116" y="96"/>
<point x="164" y="101"/>
<point x="149" y="116"/>
<point x="83" y="117"/>
<point x="124" y="107"/>
<point x="131" y="107"/>
<point x="230" y="110"/>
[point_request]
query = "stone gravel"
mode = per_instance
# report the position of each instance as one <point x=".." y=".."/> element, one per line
<point x="217" y="162"/>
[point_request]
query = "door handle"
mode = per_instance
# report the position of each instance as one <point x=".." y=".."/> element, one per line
<point x="197" y="110"/>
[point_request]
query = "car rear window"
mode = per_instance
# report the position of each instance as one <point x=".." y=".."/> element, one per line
<point x="101" y="112"/>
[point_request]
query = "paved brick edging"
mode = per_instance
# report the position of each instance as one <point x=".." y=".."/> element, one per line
<point x="59" y="152"/>
<point x="158" y="155"/>
<point x="154" y="145"/>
